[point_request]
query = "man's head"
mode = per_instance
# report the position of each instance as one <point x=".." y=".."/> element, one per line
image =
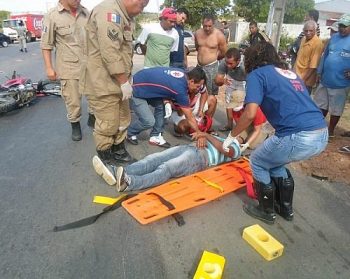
<point x="237" y="102"/>
<point x="232" y="58"/>
<point x="312" y="15"/>
<point x="344" y="25"/>
<point x="168" y="18"/>
<point x="310" y="29"/>
<point x="208" y="23"/>
<point x="71" y="5"/>
<point x="181" y="16"/>
<point x="253" y="27"/>
<point x="195" y="79"/>
<point x="134" y="7"/>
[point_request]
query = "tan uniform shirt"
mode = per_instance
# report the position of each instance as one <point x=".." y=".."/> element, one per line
<point x="21" y="32"/>
<point x="109" y="48"/>
<point x="65" y="32"/>
<point x="308" y="57"/>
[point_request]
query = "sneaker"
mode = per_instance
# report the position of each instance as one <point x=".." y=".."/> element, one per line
<point x="133" y="140"/>
<point x="106" y="171"/>
<point x="121" y="180"/>
<point x="159" y="140"/>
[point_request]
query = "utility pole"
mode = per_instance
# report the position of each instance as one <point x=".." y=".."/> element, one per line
<point x="275" y="21"/>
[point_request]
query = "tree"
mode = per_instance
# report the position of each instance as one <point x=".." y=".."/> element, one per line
<point x="3" y="15"/>
<point x="258" y="10"/>
<point x="197" y="8"/>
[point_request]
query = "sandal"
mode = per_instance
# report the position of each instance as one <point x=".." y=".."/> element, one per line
<point x="225" y="129"/>
<point x="344" y="149"/>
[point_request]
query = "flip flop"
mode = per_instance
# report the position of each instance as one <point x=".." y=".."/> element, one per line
<point x="344" y="149"/>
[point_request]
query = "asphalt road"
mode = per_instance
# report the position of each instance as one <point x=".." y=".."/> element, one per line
<point x="47" y="180"/>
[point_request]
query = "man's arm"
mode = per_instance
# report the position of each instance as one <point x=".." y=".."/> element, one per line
<point x="222" y="45"/>
<point x="218" y="145"/>
<point x="50" y="72"/>
<point x="254" y="135"/>
<point x="246" y="119"/>
<point x="201" y="141"/>
<point x="220" y="79"/>
<point x="203" y="99"/>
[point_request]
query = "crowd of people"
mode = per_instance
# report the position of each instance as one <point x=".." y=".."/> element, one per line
<point x="94" y="54"/>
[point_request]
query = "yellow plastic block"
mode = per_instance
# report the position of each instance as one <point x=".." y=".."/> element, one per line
<point x="263" y="242"/>
<point x="107" y="200"/>
<point x="211" y="266"/>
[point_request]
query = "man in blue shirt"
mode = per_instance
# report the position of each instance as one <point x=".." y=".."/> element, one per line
<point x="333" y="73"/>
<point x="153" y="87"/>
<point x="178" y="59"/>
<point x="301" y="131"/>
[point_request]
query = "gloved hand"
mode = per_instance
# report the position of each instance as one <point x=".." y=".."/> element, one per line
<point x="228" y="141"/>
<point x="126" y="90"/>
<point x="168" y="110"/>
<point x="244" y="147"/>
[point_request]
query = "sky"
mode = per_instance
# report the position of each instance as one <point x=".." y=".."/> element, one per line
<point x="43" y="5"/>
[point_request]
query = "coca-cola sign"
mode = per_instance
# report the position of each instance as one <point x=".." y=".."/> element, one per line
<point x="38" y="23"/>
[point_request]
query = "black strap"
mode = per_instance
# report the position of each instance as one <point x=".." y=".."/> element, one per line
<point x="92" y="219"/>
<point x="177" y="216"/>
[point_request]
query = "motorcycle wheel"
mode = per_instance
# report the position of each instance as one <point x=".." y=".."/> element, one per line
<point x="49" y="87"/>
<point x="7" y="104"/>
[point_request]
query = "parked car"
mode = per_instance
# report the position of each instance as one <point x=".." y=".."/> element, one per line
<point x="188" y="40"/>
<point x="4" y="40"/>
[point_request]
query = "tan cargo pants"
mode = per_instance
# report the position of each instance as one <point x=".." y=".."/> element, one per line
<point x="112" y="119"/>
<point x="72" y="99"/>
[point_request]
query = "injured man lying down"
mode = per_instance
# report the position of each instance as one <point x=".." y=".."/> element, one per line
<point x="158" y="168"/>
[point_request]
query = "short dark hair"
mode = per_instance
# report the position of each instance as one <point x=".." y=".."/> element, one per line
<point x="183" y="11"/>
<point x="253" y="22"/>
<point x="314" y="14"/>
<point x="209" y="16"/>
<point x="262" y="54"/>
<point x="233" y="53"/>
<point x="197" y="74"/>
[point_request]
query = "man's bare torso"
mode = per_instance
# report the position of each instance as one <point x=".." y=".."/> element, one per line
<point x="208" y="46"/>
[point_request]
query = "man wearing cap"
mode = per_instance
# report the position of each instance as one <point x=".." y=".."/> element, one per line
<point x="178" y="58"/>
<point x="211" y="46"/>
<point x="334" y="74"/>
<point x="106" y="77"/>
<point x="158" y="40"/>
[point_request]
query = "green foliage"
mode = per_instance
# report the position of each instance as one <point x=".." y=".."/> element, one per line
<point x="197" y="8"/>
<point x="285" y="42"/>
<point x="258" y="10"/>
<point x="3" y="15"/>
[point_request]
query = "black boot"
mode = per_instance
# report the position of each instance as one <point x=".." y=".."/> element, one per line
<point x="121" y="154"/>
<point x="91" y="120"/>
<point x="265" y="210"/>
<point x="284" y="196"/>
<point x="106" y="156"/>
<point x="76" y="131"/>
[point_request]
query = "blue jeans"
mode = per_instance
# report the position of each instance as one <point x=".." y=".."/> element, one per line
<point x="270" y="158"/>
<point x="157" y="168"/>
<point x="147" y="119"/>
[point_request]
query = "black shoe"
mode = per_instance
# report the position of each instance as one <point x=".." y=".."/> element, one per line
<point x="121" y="180"/>
<point x="284" y="196"/>
<point x="91" y="120"/>
<point x="120" y="153"/>
<point x="106" y="156"/>
<point x="21" y="50"/>
<point x="106" y="171"/>
<point x="76" y="131"/>
<point x="133" y="140"/>
<point x="265" y="210"/>
<point x="25" y="50"/>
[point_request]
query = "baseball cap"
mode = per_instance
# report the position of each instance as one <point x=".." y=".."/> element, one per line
<point x="344" y="20"/>
<point x="334" y="26"/>
<point x="169" y="13"/>
<point x="237" y="100"/>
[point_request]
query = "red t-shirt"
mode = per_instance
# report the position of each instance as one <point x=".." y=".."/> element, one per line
<point x="258" y="120"/>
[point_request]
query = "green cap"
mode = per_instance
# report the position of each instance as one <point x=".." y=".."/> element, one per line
<point x="344" y="20"/>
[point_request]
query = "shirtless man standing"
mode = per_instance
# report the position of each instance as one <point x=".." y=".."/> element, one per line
<point x="211" y="46"/>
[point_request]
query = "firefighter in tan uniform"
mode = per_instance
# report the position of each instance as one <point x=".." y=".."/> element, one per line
<point x="106" y="78"/>
<point x="63" y="29"/>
